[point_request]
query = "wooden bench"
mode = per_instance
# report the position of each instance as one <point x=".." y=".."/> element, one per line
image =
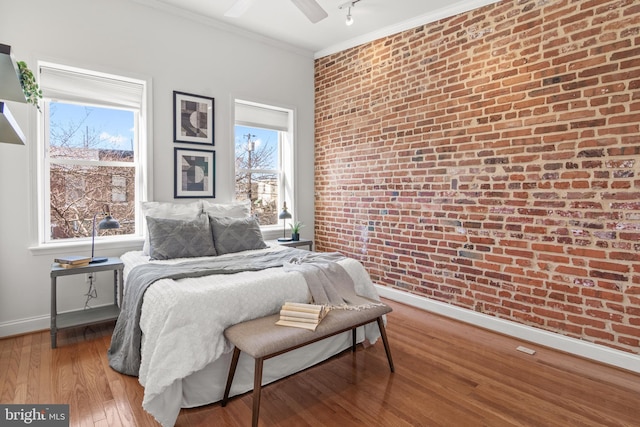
<point x="262" y="339"/>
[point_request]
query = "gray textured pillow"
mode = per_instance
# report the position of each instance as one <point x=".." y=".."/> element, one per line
<point x="176" y="238"/>
<point x="236" y="234"/>
<point x="187" y="211"/>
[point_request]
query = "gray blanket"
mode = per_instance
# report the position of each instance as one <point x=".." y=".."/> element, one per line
<point x="124" y="352"/>
<point x="328" y="282"/>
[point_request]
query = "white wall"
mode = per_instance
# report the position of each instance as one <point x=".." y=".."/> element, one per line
<point x="177" y="53"/>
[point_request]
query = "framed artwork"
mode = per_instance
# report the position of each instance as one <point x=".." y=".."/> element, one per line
<point x="194" y="173"/>
<point x="192" y="118"/>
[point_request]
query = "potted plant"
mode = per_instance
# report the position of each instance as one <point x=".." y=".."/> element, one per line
<point x="29" y="84"/>
<point x="295" y="230"/>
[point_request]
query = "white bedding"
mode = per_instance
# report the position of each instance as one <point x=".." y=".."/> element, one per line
<point x="185" y="357"/>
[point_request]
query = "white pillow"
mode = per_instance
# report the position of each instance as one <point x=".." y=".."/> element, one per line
<point x="227" y="210"/>
<point x="169" y="210"/>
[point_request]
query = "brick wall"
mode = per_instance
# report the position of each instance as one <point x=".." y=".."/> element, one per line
<point x="491" y="160"/>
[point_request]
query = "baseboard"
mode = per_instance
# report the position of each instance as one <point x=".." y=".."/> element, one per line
<point x="31" y="324"/>
<point x="24" y="326"/>
<point x="559" y="342"/>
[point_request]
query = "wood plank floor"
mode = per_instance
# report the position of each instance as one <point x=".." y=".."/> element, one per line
<point x="447" y="374"/>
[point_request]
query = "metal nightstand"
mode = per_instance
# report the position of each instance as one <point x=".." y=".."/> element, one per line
<point x="91" y="315"/>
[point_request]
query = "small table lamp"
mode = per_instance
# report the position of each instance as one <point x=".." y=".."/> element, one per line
<point x="285" y="215"/>
<point x="107" y="223"/>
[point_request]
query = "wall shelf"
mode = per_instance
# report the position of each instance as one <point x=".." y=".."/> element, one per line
<point x="10" y="132"/>
<point x="10" y="90"/>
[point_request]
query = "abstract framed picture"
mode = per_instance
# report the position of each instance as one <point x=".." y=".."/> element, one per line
<point x="193" y="118"/>
<point x="194" y="174"/>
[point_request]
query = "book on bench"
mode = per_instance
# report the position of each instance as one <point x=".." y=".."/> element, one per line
<point x="301" y="315"/>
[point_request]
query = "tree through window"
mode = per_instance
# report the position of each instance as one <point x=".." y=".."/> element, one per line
<point x="257" y="173"/>
<point x="91" y="142"/>
<point x="262" y="153"/>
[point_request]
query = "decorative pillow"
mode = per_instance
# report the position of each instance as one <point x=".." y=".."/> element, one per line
<point x="236" y="234"/>
<point x="176" y="238"/>
<point x="184" y="211"/>
<point x="228" y="210"/>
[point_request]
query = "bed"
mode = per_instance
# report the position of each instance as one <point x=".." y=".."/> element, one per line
<point x="184" y="358"/>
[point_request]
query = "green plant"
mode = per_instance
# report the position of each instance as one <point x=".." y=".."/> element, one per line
<point x="29" y="84"/>
<point x="296" y="226"/>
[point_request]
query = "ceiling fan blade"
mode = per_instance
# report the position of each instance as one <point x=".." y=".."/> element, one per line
<point x="311" y="9"/>
<point x="238" y="8"/>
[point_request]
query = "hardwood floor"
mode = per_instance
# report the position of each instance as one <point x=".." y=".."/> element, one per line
<point x="447" y="374"/>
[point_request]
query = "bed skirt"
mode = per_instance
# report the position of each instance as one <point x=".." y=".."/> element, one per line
<point x="207" y="386"/>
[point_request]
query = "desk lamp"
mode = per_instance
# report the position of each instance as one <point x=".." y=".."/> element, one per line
<point x="285" y="215"/>
<point x="107" y="223"/>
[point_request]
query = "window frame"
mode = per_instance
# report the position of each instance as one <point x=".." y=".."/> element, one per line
<point x="286" y="155"/>
<point x="41" y="223"/>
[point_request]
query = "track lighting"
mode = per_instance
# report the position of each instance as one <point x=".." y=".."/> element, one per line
<point x="348" y="5"/>
<point x="349" y="18"/>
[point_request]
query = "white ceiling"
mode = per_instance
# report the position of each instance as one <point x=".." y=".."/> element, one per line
<point x="280" y="20"/>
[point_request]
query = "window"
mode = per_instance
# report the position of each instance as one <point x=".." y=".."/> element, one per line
<point x="92" y="163"/>
<point x="263" y="154"/>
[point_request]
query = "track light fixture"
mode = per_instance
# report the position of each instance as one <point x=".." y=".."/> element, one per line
<point x="348" y="5"/>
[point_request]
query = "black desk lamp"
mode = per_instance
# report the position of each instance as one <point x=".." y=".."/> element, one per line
<point x="107" y="223"/>
<point x="285" y="215"/>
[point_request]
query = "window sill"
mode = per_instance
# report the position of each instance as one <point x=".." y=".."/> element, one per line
<point x="124" y="244"/>
<point x="271" y="232"/>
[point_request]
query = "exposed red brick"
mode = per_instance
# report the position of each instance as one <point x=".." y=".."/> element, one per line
<point x="490" y="161"/>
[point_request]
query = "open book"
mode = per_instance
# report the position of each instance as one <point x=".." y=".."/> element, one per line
<point x="300" y="315"/>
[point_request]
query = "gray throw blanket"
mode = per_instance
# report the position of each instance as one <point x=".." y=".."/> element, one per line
<point x="328" y="282"/>
<point x="124" y="352"/>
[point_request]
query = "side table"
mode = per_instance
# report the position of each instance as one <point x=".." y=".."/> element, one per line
<point x="90" y="315"/>
<point x="296" y="243"/>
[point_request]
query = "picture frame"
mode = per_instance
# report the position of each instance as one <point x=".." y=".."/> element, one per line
<point x="194" y="173"/>
<point x="193" y="118"/>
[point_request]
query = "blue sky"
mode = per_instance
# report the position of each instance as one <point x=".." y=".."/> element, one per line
<point x="114" y="128"/>
<point x="262" y="137"/>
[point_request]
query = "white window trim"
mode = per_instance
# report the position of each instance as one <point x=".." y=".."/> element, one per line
<point x="36" y="181"/>
<point x="288" y="156"/>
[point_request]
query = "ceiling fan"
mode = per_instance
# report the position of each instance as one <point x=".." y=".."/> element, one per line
<point x="310" y="8"/>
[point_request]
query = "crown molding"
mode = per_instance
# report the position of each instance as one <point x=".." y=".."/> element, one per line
<point x="445" y="12"/>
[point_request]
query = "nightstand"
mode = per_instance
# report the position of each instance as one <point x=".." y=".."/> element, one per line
<point x="296" y="243"/>
<point x="87" y="316"/>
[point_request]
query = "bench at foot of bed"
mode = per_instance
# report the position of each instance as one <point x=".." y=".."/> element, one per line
<point x="262" y="339"/>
